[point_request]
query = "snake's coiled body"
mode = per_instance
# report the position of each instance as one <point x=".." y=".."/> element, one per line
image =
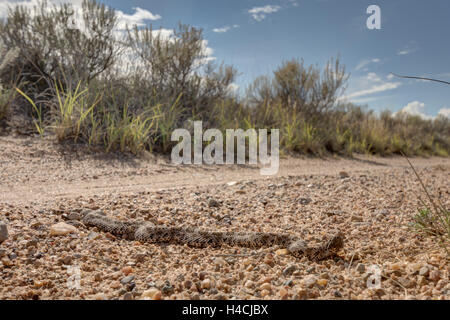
<point x="147" y="232"/>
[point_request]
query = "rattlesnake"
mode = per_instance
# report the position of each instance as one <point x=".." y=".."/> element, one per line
<point x="148" y="232"/>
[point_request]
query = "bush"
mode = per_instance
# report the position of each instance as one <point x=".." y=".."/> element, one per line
<point x="175" y="66"/>
<point x="58" y="43"/>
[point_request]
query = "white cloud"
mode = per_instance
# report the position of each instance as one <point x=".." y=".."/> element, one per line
<point x="364" y="63"/>
<point x="415" y="108"/>
<point x="225" y="29"/>
<point x="368" y="85"/>
<point x="260" y="13"/>
<point x="444" y="112"/>
<point x="411" y="48"/>
<point x="221" y="30"/>
<point x="138" y="17"/>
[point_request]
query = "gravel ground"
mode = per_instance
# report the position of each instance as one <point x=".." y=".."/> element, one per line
<point x="372" y="201"/>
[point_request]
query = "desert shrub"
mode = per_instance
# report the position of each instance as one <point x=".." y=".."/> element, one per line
<point x="174" y="66"/>
<point x="58" y="43"/>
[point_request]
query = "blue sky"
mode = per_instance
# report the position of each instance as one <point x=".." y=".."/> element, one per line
<point x="257" y="35"/>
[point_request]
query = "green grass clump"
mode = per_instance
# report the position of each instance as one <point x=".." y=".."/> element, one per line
<point x="433" y="219"/>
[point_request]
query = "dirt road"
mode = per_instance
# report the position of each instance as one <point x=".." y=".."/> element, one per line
<point x="35" y="170"/>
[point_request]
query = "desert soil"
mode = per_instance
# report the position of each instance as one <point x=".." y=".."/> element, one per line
<point x="371" y="200"/>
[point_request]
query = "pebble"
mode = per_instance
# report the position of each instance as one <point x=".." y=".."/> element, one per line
<point x="289" y="270"/>
<point x="127" y="280"/>
<point x="213" y="203"/>
<point x="343" y="175"/>
<point x="128" y="296"/>
<point x="266" y="286"/>
<point x="406" y="282"/>
<point x="94" y="235"/>
<point x="3" y="231"/>
<point x="309" y="281"/>
<point x="337" y="294"/>
<point x="282" y="252"/>
<point x="305" y="201"/>
<point x="283" y="293"/>
<point x="322" y="282"/>
<point x="62" y="229"/>
<point x="361" y="268"/>
<point x="152" y="294"/>
<point x="99" y="296"/>
<point x="424" y="271"/>
<point x="249" y="284"/>
<point x="206" y="284"/>
<point x="127" y="270"/>
<point x="302" y="294"/>
<point x="435" y="275"/>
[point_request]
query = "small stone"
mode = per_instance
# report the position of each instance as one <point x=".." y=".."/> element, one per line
<point x="282" y="252"/>
<point x="66" y="260"/>
<point x="220" y="262"/>
<point x="356" y="218"/>
<point x="127" y="270"/>
<point x="435" y="275"/>
<point x="206" y="284"/>
<point x="94" y="235"/>
<point x="283" y="293"/>
<point x="302" y="294"/>
<point x="3" y="232"/>
<point x="305" y="201"/>
<point x="152" y="294"/>
<point x="99" y="296"/>
<point x="127" y="280"/>
<point x="32" y="243"/>
<point x="322" y="282"/>
<point x="264" y="293"/>
<point x="424" y="271"/>
<point x="213" y="203"/>
<point x="395" y="266"/>
<point x="62" y="229"/>
<point x="187" y="284"/>
<point x="343" y="175"/>
<point x="361" y="268"/>
<point x="421" y="280"/>
<point x="249" y="284"/>
<point x="7" y="263"/>
<point x="266" y="280"/>
<point x="128" y="296"/>
<point x="289" y="270"/>
<point x="406" y="282"/>
<point x="311" y="269"/>
<point x="337" y="294"/>
<point x="167" y="289"/>
<point x="309" y="281"/>
<point x="288" y="283"/>
<point x="266" y="286"/>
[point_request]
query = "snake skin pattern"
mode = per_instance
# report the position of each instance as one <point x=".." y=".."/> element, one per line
<point x="147" y="232"/>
